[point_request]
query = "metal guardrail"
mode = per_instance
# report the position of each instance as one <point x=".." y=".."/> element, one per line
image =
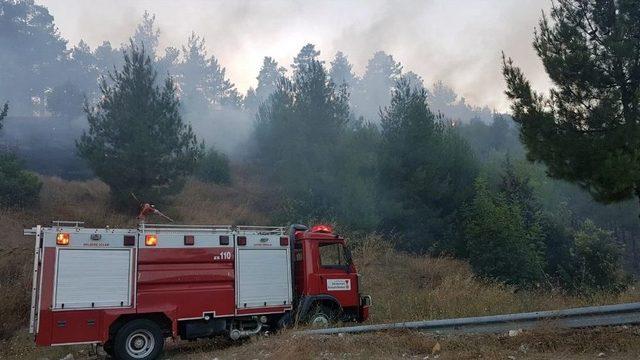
<point x="607" y="315"/>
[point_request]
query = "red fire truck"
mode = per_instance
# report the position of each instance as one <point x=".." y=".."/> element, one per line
<point x="129" y="289"/>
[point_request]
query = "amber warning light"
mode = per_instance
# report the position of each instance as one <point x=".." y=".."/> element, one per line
<point x="62" y="239"/>
<point x="151" y="240"/>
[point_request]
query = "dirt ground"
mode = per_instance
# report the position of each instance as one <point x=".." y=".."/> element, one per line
<point x="609" y="343"/>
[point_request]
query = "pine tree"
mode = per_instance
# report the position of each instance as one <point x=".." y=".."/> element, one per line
<point x="203" y="80"/>
<point x="374" y="89"/>
<point x="270" y="74"/>
<point x="82" y="76"/>
<point x="147" y="34"/>
<point x="426" y="171"/>
<point x="501" y="245"/>
<point x="33" y="54"/>
<point x="137" y="142"/>
<point x="268" y="78"/>
<point x="588" y="130"/>
<point x="518" y="191"/>
<point x="307" y="56"/>
<point x="310" y="114"/>
<point x="107" y="58"/>
<point x="341" y="72"/>
<point x="414" y="80"/>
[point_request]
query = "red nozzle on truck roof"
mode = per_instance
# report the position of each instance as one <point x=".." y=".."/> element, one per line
<point x="322" y="229"/>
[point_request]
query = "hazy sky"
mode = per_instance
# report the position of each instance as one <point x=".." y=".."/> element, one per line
<point x="458" y="42"/>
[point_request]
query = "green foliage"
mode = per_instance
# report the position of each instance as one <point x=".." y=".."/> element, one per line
<point x="426" y="171"/>
<point x="270" y="74"/>
<point x="307" y="56"/>
<point x="596" y="261"/>
<point x="296" y="134"/>
<point x="313" y="153"/>
<point x="374" y="90"/>
<point x="588" y="130"/>
<point x="510" y="220"/>
<point x="137" y="142"/>
<point x="341" y="72"/>
<point x="203" y="81"/>
<point x="33" y="54"/>
<point x="356" y="174"/>
<point x="488" y="140"/>
<point x="18" y="188"/>
<point x="214" y="168"/>
<point x="501" y="245"/>
<point x="147" y="34"/>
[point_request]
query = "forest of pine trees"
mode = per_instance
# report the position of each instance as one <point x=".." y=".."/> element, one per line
<point x="379" y="151"/>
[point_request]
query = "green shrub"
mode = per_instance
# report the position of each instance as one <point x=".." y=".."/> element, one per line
<point x="18" y="188"/>
<point x="214" y="168"/>
<point x="596" y="262"/>
<point x="501" y="245"/>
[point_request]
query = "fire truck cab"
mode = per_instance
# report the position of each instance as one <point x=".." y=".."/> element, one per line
<point x="129" y="289"/>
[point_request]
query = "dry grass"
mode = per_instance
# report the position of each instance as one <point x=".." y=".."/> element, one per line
<point x="15" y="282"/>
<point x="244" y="203"/>
<point x="403" y="286"/>
<point x="68" y="200"/>
<point x="617" y="343"/>
<point x="411" y="287"/>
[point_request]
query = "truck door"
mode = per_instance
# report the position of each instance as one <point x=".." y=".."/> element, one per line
<point x="337" y="275"/>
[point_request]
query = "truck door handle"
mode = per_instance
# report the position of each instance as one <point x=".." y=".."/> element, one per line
<point x="62" y="323"/>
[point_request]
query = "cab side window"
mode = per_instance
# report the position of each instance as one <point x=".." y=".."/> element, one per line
<point x="332" y="255"/>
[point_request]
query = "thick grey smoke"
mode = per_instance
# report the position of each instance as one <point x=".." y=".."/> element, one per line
<point x="458" y="42"/>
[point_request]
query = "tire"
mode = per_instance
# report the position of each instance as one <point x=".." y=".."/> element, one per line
<point x="322" y="316"/>
<point x="285" y="321"/>
<point x="139" y="339"/>
<point x="108" y="348"/>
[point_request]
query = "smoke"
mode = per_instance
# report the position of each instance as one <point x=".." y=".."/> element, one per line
<point x="226" y="129"/>
<point x="459" y="42"/>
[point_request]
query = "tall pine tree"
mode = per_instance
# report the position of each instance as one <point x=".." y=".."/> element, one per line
<point x="588" y="130"/>
<point x="426" y="171"/>
<point x="341" y="72"/>
<point x="374" y="89"/>
<point x="297" y="136"/>
<point x="203" y="80"/>
<point x="137" y="142"/>
<point x="270" y="74"/>
<point x="147" y="34"/>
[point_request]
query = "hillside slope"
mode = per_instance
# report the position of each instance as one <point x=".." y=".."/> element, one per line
<point x="403" y="286"/>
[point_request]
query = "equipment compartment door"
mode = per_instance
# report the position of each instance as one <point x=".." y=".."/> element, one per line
<point x="93" y="278"/>
<point x="264" y="278"/>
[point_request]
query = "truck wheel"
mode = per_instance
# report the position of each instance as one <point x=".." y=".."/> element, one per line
<point x="108" y="348"/>
<point x="284" y="321"/>
<point x="322" y="316"/>
<point x="139" y="339"/>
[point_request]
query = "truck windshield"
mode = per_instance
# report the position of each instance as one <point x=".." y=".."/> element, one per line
<point x="333" y="255"/>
